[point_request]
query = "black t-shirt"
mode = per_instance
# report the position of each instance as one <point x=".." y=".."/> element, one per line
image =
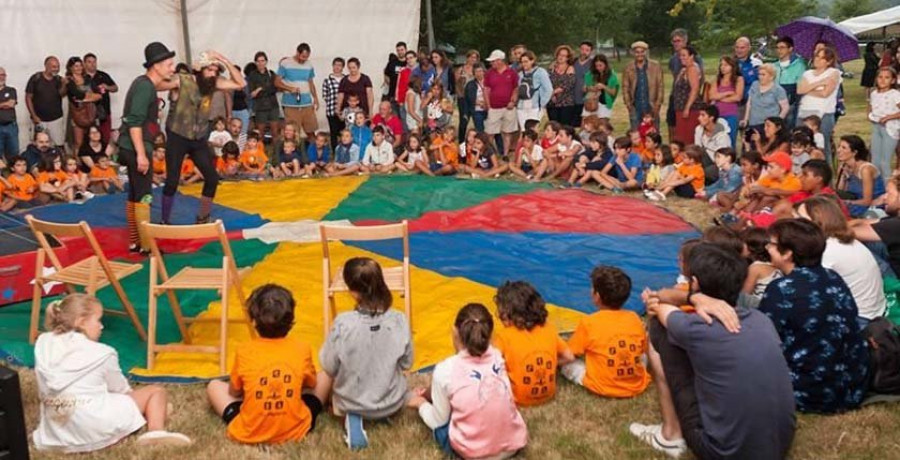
<point x="889" y="232"/>
<point x="239" y="100"/>
<point x="101" y="78"/>
<point x="358" y="88"/>
<point x="45" y="96"/>
<point x="392" y="71"/>
<point x="87" y="151"/>
<point x="8" y="93"/>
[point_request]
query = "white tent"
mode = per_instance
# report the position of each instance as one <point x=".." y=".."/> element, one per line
<point x="880" y="23"/>
<point x="117" y="32"/>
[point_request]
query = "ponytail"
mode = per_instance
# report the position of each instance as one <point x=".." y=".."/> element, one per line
<point x="474" y="325"/>
<point x="62" y="315"/>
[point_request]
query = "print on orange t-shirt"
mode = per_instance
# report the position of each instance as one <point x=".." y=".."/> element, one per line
<point x="52" y="177"/>
<point x="22" y="187"/>
<point x="254" y="160"/>
<point x="531" y="361"/>
<point x="272" y="373"/>
<point x="695" y="171"/>
<point x="612" y="342"/>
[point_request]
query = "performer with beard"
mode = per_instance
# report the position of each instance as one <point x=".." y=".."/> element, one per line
<point x="187" y="126"/>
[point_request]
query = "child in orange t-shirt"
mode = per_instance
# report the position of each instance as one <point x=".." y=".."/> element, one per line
<point x="79" y="179"/>
<point x="20" y="187"/>
<point x="229" y="163"/>
<point x="264" y="401"/>
<point x="776" y="183"/>
<point x="53" y="183"/>
<point x="254" y="161"/>
<point x="687" y="180"/>
<point x="531" y="347"/>
<point x="159" y="164"/>
<point x="189" y="172"/>
<point x="445" y="152"/>
<point x="104" y="178"/>
<point x="612" y="340"/>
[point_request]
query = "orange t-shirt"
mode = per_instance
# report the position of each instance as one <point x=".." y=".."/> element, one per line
<point x="612" y="342"/>
<point x="254" y="160"/>
<point x="187" y="167"/>
<point x="272" y="373"/>
<point x="695" y="171"/>
<point x="449" y="149"/>
<point x="531" y="361"/>
<point x="77" y="176"/>
<point x="54" y="177"/>
<point x="222" y="165"/>
<point x="100" y="173"/>
<point x="22" y="187"/>
<point x="645" y="153"/>
<point x="788" y="183"/>
<point x="159" y="166"/>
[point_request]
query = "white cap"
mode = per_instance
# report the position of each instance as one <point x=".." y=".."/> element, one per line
<point x="495" y="55"/>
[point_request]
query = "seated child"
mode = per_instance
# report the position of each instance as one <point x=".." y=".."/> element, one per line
<point x="159" y="164"/>
<point x="291" y="163"/>
<point x="589" y="125"/>
<point x="677" y="148"/>
<point x="550" y="137"/>
<point x="593" y="159"/>
<point x="53" y="182"/>
<point x="530" y="163"/>
<point x="624" y="171"/>
<point x="761" y="272"/>
<point x="530" y="345"/>
<point x="366" y="353"/>
<point x="228" y="165"/>
<point x="652" y="144"/>
<point x="663" y="166"/>
<point x="639" y="146"/>
<point x="104" y="177"/>
<point x="414" y="158"/>
<point x="351" y="110"/>
<point x="78" y="179"/>
<point x="21" y="188"/>
<point x="564" y="153"/>
<point x="777" y="183"/>
<point x="801" y="145"/>
<point x="318" y="153"/>
<point x="484" y="161"/>
<point x="189" y="172"/>
<point x="361" y="132"/>
<point x="687" y="180"/>
<point x="445" y="153"/>
<point x="529" y="126"/>
<point x="264" y="400"/>
<point x="85" y="401"/>
<point x="379" y="157"/>
<point x="466" y="147"/>
<point x="219" y="136"/>
<point x="346" y="157"/>
<point x="612" y="341"/>
<point x="814" y="123"/>
<point x="647" y="126"/>
<point x="752" y="165"/>
<point x="730" y="175"/>
<point x="254" y="161"/>
<point x="472" y="417"/>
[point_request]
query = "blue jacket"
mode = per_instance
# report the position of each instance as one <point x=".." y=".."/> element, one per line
<point x="749" y="70"/>
<point x="541" y="90"/>
<point x="362" y="137"/>
<point x="729" y="181"/>
<point x="313" y="155"/>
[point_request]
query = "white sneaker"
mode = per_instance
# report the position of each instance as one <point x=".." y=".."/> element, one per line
<point x="652" y="435"/>
<point x="660" y="196"/>
<point x="163" y="438"/>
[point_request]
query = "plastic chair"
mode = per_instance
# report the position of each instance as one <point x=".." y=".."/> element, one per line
<point x="396" y="278"/>
<point x="93" y="273"/>
<point x="192" y="278"/>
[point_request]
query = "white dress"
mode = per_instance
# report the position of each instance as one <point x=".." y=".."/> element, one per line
<point x="84" y="396"/>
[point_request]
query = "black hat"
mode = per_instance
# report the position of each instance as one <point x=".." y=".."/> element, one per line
<point x="156" y="52"/>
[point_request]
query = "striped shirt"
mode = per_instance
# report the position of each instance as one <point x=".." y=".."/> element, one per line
<point x="299" y="75"/>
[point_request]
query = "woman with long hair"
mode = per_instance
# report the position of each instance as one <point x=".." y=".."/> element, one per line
<point x="561" y="107"/>
<point x="601" y="86"/>
<point x="726" y="94"/>
<point x="81" y="99"/>
<point x="686" y="98"/>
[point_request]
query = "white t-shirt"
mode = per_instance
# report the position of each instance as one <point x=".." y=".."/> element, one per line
<point x="810" y="104"/>
<point x="856" y="265"/>
<point x="413" y="157"/>
<point x="884" y="104"/>
<point x="220" y="138"/>
<point x="536" y="155"/>
<point x="378" y="154"/>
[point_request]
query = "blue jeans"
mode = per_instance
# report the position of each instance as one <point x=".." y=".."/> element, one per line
<point x="478" y="117"/>
<point x="442" y="437"/>
<point x="882" y="256"/>
<point x="883" y="147"/>
<point x="244" y="116"/>
<point x="732" y="121"/>
<point x="9" y="140"/>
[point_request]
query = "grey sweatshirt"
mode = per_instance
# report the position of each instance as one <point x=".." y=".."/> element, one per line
<point x="366" y="355"/>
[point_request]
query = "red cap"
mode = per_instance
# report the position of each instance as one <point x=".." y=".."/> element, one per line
<point x="782" y="159"/>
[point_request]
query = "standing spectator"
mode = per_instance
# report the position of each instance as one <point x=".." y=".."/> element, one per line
<point x="263" y="92"/>
<point x="356" y="83"/>
<point x="582" y="67"/>
<point x="890" y="50"/>
<point x="601" y="86"/>
<point x="475" y="104"/>
<point x="686" y="99"/>
<point x="501" y="82"/>
<point x="766" y="99"/>
<point x="726" y="94"/>
<point x="561" y="107"/>
<point x="465" y="74"/>
<point x="884" y="114"/>
<point x="534" y="90"/>
<point x="747" y="63"/>
<point x="396" y="63"/>
<point x="515" y="56"/>
<point x="818" y="89"/>
<point x="43" y="97"/>
<point x="82" y="100"/>
<point x="403" y="84"/>
<point x="104" y="85"/>
<point x="788" y="71"/>
<point x="393" y="127"/>
<point x="9" y="130"/>
<point x="679" y="39"/>
<point x="425" y="71"/>
<point x="296" y="81"/>
<point x="330" y="89"/>
<point x="443" y="71"/>
<point x="240" y="107"/>
<point x="642" y="86"/>
<point x="871" y="66"/>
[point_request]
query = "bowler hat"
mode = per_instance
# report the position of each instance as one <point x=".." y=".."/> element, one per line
<point x="156" y="52"/>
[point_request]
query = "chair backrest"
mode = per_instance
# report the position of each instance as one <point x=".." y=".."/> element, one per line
<point x="213" y="230"/>
<point x="365" y="233"/>
<point x="41" y="228"/>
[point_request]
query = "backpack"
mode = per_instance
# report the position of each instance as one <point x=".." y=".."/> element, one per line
<point x="526" y="86"/>
<point x="884" y="356"/>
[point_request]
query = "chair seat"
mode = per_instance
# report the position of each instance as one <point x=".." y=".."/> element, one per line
<point x="393" y="277"/>
<point x="79" y="273"/>
<point x="194" y="278"/>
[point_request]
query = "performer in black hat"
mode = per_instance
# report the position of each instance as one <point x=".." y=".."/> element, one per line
<point x="187" y="126"/>
<point x="140" y="124"/>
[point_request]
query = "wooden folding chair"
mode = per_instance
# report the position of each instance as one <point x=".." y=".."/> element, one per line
<point x="93" y="273"/>
<point x="397" y="278"/>
<point x="219" y="278"/>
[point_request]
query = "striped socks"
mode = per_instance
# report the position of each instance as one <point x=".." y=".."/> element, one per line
<point x="141" y="215"/>
<point x="203" y="212"/>
<point x="132" y="224"/>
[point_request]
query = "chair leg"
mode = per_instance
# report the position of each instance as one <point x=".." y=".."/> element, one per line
<point x="36" y="297"/>
<point x="151" y="316"/>
<point x="223" y="319"/>
<point x="129" y="308"/>
<point x="179" y="316"/>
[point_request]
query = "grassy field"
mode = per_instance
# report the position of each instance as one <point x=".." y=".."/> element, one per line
<point x="576" y="425"/>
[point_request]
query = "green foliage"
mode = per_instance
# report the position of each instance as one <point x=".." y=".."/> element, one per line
<point x="845" y="9"/>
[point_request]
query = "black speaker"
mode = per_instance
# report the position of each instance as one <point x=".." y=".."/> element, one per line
<point x="13" y="438"/>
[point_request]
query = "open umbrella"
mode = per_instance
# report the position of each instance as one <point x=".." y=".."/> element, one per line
<point x="808" y="30"/>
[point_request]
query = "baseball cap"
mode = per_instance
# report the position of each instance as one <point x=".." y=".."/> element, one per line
<point x="782" y="159"/>
<point x="495" y="55"/>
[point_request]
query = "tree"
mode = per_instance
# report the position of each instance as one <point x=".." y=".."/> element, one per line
<point x="845" y="9"/>
<point x="728" y="19"/>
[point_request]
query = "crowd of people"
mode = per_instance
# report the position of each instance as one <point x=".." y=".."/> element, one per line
<point x="767" y="317"/>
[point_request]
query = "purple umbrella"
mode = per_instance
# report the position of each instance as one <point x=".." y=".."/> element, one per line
<point x="808" y="30"/>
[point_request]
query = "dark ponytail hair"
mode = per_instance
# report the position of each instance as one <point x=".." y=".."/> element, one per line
<point x="364" y="277"/>
<point x="474" y="325"/>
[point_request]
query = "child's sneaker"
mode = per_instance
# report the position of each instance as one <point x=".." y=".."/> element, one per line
<point x="652" y="434"/>
<point x="617" y="190"/>
<point x="356" y="435"/>
<point x="163" y="438"/>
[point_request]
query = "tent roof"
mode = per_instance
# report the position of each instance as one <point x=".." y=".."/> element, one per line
<point x="873" y="21"/>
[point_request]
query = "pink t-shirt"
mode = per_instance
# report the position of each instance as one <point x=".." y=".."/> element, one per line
<point x="502" y="86"/>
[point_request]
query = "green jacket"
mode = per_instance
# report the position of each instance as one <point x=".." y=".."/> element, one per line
<point x="612" y="83"/>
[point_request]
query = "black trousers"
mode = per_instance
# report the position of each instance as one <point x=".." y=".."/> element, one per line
<point x="566" y="116"/>
<point x="335" y="125"/>
<point x="139" y="185"/>
<point x="177" y="147"/>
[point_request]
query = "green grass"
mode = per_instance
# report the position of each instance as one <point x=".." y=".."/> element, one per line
<point x="575" y="425"/>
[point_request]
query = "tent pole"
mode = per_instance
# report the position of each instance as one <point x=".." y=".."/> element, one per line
<point x="429" y="24"/>
<point x="185" y="32"/>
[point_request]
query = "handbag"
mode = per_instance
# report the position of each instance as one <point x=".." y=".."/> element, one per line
<point x="84" y="114"/>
